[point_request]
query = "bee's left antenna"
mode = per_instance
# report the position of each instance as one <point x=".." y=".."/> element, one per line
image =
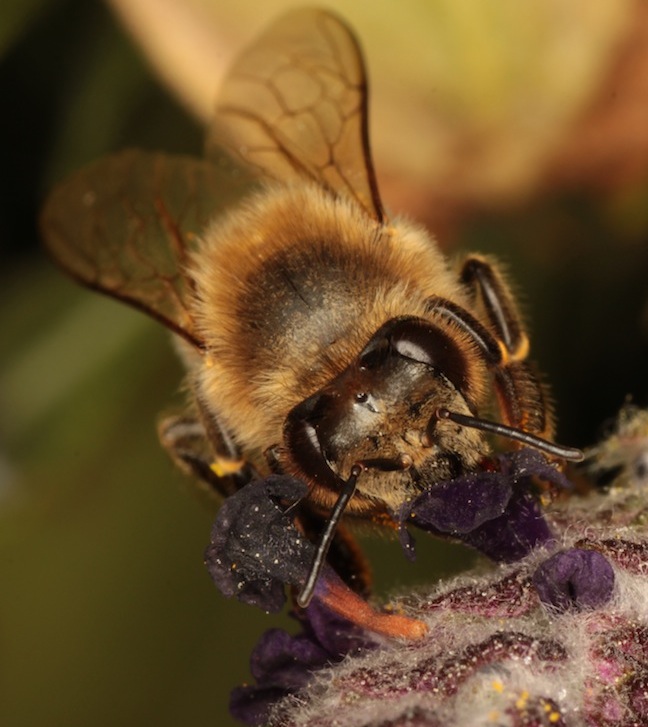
<point x="326" y="538"/>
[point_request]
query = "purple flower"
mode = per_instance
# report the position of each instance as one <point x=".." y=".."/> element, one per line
<point x="256" y="550"/>
<point x="493" y="511"/>
<point x="574" y="579"/>
<point x="282" y="663"/>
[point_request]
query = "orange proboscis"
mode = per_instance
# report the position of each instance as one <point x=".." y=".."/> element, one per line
<point x="341" y="599"/>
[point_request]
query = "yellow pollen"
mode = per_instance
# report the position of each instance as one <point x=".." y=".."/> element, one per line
<point x="522" y="700"/>
<point x="222" y="467"/>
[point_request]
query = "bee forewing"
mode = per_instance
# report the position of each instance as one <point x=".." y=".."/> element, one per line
<point x="294" y="107"/>
<point x="126" y="224"/>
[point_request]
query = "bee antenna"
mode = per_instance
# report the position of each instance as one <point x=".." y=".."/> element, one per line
<point x="558" y="450"/>
<point x="326" y="538"/>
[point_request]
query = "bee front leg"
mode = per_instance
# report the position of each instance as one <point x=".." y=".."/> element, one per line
<point x="205" y="452"/>
<point x="521" y="395"/>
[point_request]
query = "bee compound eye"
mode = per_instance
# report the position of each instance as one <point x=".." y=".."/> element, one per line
<point x="415" y="341"/>
<point x="409" y="348"/>
<point x="375" y="353"/>
<point x="421" y="342"/>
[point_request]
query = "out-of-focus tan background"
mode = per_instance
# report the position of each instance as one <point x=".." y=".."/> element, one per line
<point x="516" y="129"/>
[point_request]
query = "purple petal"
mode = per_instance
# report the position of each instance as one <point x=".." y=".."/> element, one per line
<point x="459" y="506"/>
<point x="335" y="634"/>
<point x="284" y="661"/>
<point x="491" y="511"/>
<point x="255" y="549"/>
<point x="574" y="579"/>
<point x="282" y="664"/>
<point x="525" y="463"/>
<point x="514" y="534"/>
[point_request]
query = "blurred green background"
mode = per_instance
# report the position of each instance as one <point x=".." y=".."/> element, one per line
<point x="107" y="615"/>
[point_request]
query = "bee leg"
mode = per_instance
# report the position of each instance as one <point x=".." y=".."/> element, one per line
<point x="202" y="456"/>
<point x="485" y="281"/>
<point x="523" y="399"/>
<point x="521" y="395"/>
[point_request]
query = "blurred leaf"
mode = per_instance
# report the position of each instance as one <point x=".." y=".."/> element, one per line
<point x="107" y="612"/>
<point x="607" y="146"/>
<point x="102" y="86"/>
<point x="16" y="16"/>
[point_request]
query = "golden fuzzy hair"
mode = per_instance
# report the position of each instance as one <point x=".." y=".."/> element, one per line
<point x="289" y="289"/>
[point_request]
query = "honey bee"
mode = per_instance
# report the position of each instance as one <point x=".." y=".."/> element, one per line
<point x="324" y="341"/>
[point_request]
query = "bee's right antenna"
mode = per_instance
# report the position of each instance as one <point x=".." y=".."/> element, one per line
<point x="557" y="450"/>
<point x="326" y="538"/>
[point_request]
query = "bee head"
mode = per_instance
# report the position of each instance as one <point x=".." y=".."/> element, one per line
<point x="380" y="412"/>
